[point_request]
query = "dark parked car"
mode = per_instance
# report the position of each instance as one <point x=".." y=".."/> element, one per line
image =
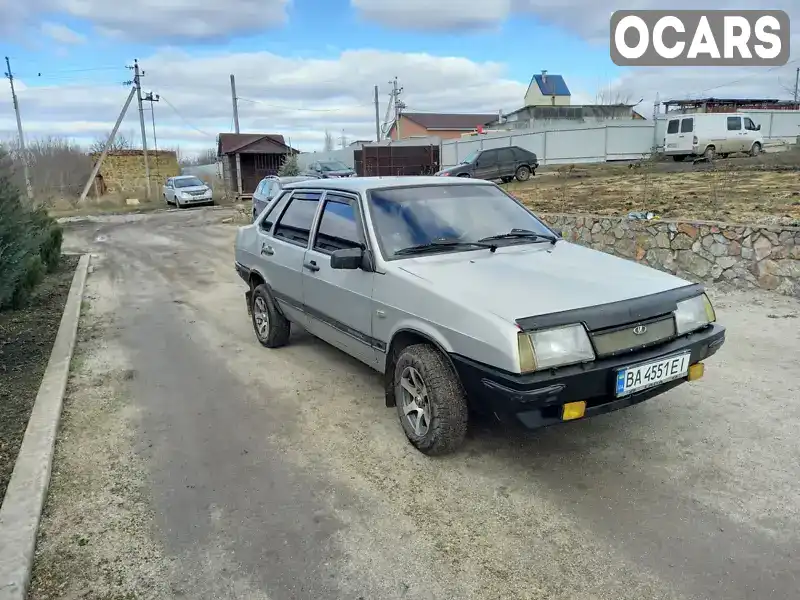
<point x="269" y="188"/>
<point x="329" y="169"/>
<point x="498" y="163"/>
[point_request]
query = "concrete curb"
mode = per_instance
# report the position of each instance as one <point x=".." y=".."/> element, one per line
<point x="27" y="490"/>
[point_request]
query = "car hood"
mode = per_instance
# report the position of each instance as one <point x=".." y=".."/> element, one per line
<point x="342" y="173"/>
<point x="193" y="188"/>
<point x="538" y="279"/>
<point x="453" y="169"/>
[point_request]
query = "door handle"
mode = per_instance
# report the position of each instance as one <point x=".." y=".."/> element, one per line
<point x="267" y="250"/>
<point x="311" y="266"/>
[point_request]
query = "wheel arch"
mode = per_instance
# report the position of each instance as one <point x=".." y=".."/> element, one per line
<point x="402" y="339"/>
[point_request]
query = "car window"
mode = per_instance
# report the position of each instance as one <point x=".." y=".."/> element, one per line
<point x="748" y="124"/>
<point x="339" y="226"/>
<point x="416" y="215"/>
<point x="260" y="188"/>
<point x="506" y="155"/>
<point x="687" y="125"/>
<point x="295" y="223"/>
<point x="489" y="157"/>
<point x="273" y="211"/>
<point x="734" y="123"/>
<point x="185" y="182"/>
<point x="672" y="126"/>
<point x="272" y="189"/>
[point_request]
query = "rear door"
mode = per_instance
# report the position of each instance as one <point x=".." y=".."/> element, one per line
<point x="486" y="165"/>
<point x="339" y="301"/>
<point x="283" y="248"/>
<point x="671" y="136"/>
<point x="506" y="162"/>
<point x="686" y="136"/>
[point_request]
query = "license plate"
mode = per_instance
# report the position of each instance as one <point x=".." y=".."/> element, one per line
<point x="635" y="379"/>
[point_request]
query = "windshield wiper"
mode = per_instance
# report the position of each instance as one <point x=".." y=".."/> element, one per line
<point x="442" y="243"/>
<point x="521" y="234"/>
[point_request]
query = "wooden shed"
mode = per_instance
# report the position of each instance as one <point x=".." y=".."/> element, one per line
<point x="249" y="157"/>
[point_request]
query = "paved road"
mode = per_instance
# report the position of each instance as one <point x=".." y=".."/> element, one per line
<point x="280" y="474"/>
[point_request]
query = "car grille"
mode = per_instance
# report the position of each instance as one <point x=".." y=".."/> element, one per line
<point x="200" y="193"/>
<point x="618" y="340"/>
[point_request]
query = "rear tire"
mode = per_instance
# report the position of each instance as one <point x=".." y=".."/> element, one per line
<point x="431" y="403"/>
<point x="710" y="154"/>
<point x="523" y="173"/>
<point x="272" y="329"/>
<point x="756" y="149"/>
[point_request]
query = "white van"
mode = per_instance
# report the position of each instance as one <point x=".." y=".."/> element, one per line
<point x="711" y="134"/>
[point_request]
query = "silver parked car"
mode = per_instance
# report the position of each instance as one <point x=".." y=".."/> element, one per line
<point x="185" y="190"/>
<point x="269" y="187"/>
<point x="464" y="300"/>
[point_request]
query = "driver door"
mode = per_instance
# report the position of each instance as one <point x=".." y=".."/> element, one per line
<point x="486" y="165"/>
<point x="338" y="302"/>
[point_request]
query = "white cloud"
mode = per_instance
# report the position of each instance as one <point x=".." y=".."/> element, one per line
<point x="150" y="20"/>
<point x="296" y="97"/>
<point x="62" y="34"/>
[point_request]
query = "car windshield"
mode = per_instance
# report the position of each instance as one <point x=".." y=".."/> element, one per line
<point x="470" y="157"/>
<point x="419" y="215"/>
<point x="334" y="166"/>
<point x="188" y="182"/>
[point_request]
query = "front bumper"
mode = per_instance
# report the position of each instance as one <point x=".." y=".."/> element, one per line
<point x="536" y="400"/>
<point x="204" y="199"/>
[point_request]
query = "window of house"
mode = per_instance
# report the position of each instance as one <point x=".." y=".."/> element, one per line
<point x="295" y="223"/>
<point x="687" y="125"/>
<point x="339" y="227"/>
<point x="734" y="123"/>
<point x="673" y="125"/>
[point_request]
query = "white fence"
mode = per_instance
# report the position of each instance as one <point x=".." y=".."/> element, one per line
<point x="611" y="140"/>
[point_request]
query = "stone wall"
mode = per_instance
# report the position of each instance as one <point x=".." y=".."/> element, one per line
<point x="123" y="171"/>
<point x="754" y="256"/>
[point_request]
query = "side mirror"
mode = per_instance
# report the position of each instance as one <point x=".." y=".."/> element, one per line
<point x="758" y="127"/>
<point x="559" y="232"/>
<point x="349" y="258"/>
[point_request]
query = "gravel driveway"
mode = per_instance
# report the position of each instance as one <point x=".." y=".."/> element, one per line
<point x="194" y="463"/>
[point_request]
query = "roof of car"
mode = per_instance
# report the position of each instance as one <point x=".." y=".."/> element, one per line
<point x="364" y="184"/>
<point x="289" y="178"/>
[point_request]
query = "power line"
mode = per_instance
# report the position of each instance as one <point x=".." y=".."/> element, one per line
<point x="175" y="110"/>
<point x="740" y="80"/>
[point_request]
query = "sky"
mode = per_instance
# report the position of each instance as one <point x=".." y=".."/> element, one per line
<point x="306" y="66"/>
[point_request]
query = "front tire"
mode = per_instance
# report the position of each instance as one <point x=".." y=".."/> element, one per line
<point x="431" y="403"/>
<point x="523" y="173"/>
<point x="272" y="329"/>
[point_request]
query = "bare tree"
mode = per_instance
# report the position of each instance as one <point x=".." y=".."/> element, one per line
<point x="120" y="142"/>
<point x="205" y="157"/>
<point x="328" y="146"/>
<point x="613" y="97"/>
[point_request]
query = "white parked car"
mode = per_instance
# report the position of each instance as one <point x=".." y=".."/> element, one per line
<point x="185" y="190"/>
<point x="711" y="135"/>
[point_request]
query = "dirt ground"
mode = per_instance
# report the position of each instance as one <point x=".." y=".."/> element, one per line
<point x="763" y="189"/>
<point x="193" y="463"/>
<point x="26" y="339"/>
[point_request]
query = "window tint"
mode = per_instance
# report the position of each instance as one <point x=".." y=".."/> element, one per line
<point x="273" y="212"/>
<point x="673" y="126"/>
<point x="488" y="158"/>
<point x="734" y="123"/>
<point x="505" y="155"/>
<point x="748" y="124"/>
<point x="260" y="188"/>
<point x="687" y="125"/>
<point x="339" y="227"/>
<point x="295" y="224"/>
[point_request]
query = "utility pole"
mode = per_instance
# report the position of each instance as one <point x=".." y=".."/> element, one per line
<point x="377" y="117"/>
<point x="235" y="101"/>
<point x="110" y="139"/>
<point x="655" y="125"/>
<point x="151" y="99"/>
<point x="23" y="153"/>
<point x="343" y="140"/>
<point x="796" y="86"/>
<point x="137" y="82"/>
<point x="397" y="104"/>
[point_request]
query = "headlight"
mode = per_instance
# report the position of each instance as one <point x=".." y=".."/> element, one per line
<point x="694" y="313"/>
<point x="555" y="347"/>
